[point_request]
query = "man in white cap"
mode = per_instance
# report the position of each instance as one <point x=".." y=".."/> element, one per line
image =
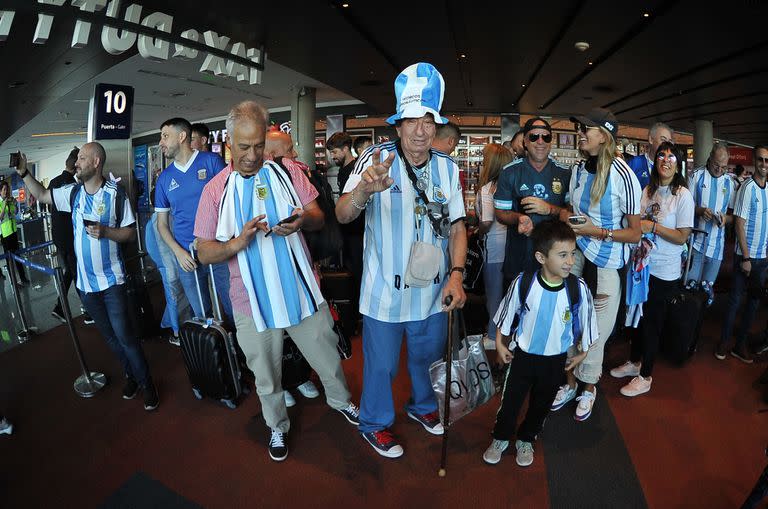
<point x="414" y="253"/>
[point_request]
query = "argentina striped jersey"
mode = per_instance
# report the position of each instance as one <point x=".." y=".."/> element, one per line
<point x="99" y="263"/>
<point x="390" y="231"/>
<point x="752" y="206"/>
<point x="621" y="198"/>
<point x="546" y="327"/>
<point x="718" y="195"/>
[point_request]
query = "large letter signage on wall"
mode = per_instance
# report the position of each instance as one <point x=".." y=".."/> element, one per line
<point x="152" y="34"/>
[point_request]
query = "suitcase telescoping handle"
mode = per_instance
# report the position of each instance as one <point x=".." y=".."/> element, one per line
<point x="691" y="238"/>
<point x="216" y="311"/>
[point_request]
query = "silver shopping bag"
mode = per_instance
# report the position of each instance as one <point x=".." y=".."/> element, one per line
<point x="471" y="381"/>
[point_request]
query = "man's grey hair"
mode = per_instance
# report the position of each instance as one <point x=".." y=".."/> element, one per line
<point x="717" y="146"/>
<point x="659" y="125"/>
<point x="247" y="110"/>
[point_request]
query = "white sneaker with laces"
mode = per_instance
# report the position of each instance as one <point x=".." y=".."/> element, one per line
<point x="626" y="369"/>
<point x="586" y="402"/>
<point x="492" y="455"/>
<point x="289" y="399"/>
<point x="524" y="453"/>
<point x="637" y="386"/>
<point x="308" y="389"/>
<point x="565" y="394"/>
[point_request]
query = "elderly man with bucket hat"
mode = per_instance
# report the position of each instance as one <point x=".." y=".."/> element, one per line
<point x="414" y="253"/>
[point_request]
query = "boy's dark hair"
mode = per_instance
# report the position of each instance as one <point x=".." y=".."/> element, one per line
<point x="339" y="140"/>
<point x="546" y="233"/>
<point x="360" y="140"/>
<point x="201" y="130"/>
<point x="180" y="124"/>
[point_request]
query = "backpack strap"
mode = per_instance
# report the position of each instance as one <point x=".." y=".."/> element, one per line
<point x="73" y="196"/>
<point x="523" y="289"/>
<point x="574" y="300"/>
<point x="119" y="203"/>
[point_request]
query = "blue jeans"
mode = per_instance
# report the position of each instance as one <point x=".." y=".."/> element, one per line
<point x="494" y="292"/>
<point x="177" y="308"/>
<point x="703" y="268"/>
<point x="739" y="284"/>
<point x="425" y="341"/>
<point x="221" y="280"/>
<point x="109" y="310"/>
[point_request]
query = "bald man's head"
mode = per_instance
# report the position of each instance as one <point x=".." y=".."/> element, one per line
<point x="90" y="161"/>
<point x="279" y="144"/>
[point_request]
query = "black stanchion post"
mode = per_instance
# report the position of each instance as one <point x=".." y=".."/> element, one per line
<point x="26" y="332"/>
<point x="90" y="382"/>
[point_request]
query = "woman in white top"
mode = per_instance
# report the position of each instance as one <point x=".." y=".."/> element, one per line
<point x="495" y="157"/>
<point x="667" y="217"/>
<point x="605" y="193"/>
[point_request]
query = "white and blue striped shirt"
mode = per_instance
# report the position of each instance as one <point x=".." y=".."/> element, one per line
<point x="99" y="262"/>
<point x="752" y="206"/>
<point x="390" y="231"/>
<point x="718" y="195"/>
<point x="621" y="198"/>
<point x="546" y="328"/>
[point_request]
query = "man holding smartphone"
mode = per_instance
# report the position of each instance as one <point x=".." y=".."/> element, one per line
<point x="101" y="277"/>
<point x="529" y="190"/>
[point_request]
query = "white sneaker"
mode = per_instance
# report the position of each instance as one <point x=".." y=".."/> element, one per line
<point x="6" y="427"/>
<point x="524" y="453"/>
<point x="308" y="389"/>
<point x="565" y="394"/>
<point x="637" y="386"/>
<point x="492" y="455"/>
<point x="586" y="402"/>
<point x="626" y="369"/>
<point x="289" y="399"/>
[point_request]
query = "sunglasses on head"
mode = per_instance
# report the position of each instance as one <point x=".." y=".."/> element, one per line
<point x="582" y="127"/>
<point x="533" y="138"/>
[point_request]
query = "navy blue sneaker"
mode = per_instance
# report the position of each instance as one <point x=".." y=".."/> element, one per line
<point x="384" y="443"/>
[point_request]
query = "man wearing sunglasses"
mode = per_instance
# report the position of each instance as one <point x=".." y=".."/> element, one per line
<point x="529" y="190"/>
<point x="750" y="263"/>
<point x="643" y="164"/>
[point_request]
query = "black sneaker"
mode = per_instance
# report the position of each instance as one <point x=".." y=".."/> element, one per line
<point x="58" y="313"/>
<point x="351" y="413"/>
<point x="131" y="389"/>
<point x="151" y="399"/>
<point x="278" y="449"/>
<point x="87" y="318"/>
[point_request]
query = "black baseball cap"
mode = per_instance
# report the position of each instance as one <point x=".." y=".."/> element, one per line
<point x="599" y="117"/>
<point x="528" y="126"/>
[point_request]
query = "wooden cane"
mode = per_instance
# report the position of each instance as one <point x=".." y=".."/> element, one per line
<point x="447" y="404"/>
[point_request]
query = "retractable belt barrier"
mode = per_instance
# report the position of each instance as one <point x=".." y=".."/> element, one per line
<point x="87" y="384"/>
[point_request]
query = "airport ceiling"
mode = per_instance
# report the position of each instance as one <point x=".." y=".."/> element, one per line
<point x="673" y="60"/>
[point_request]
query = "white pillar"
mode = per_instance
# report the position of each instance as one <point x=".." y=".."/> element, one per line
<point x="702" y="142"/>
<point x="303" y="124"/>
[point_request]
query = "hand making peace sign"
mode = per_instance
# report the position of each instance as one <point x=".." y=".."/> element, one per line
<point x="375" y="178"/>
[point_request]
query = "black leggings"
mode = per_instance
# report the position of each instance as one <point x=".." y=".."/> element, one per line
<point x="646" y="345"/>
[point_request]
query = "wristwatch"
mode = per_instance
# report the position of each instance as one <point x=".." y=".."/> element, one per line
<point x="457" y="269"/>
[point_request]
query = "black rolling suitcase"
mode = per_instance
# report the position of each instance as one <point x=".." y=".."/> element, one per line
<point x="338" y="289"/>
<point x="210" y="355"/>
<point x="685" y="314"/>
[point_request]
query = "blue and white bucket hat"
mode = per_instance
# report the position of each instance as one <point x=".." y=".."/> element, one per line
<point x="419" y="90"/>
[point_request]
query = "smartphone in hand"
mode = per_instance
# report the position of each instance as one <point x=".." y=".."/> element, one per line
<point x="288" y="219"/>
<point x="14" y="160"/>
<point x="577" y="219"/>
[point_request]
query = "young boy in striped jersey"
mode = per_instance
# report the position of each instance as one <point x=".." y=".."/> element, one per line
<point x="550" y="317"/>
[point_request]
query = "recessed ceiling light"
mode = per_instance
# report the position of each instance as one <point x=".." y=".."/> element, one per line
<point x="646" y="14"/>
<point x="345" y="5"/>
<point x="523" y="85"/>
<point x="463" y="55"/>
<point x="590" y="63"/>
